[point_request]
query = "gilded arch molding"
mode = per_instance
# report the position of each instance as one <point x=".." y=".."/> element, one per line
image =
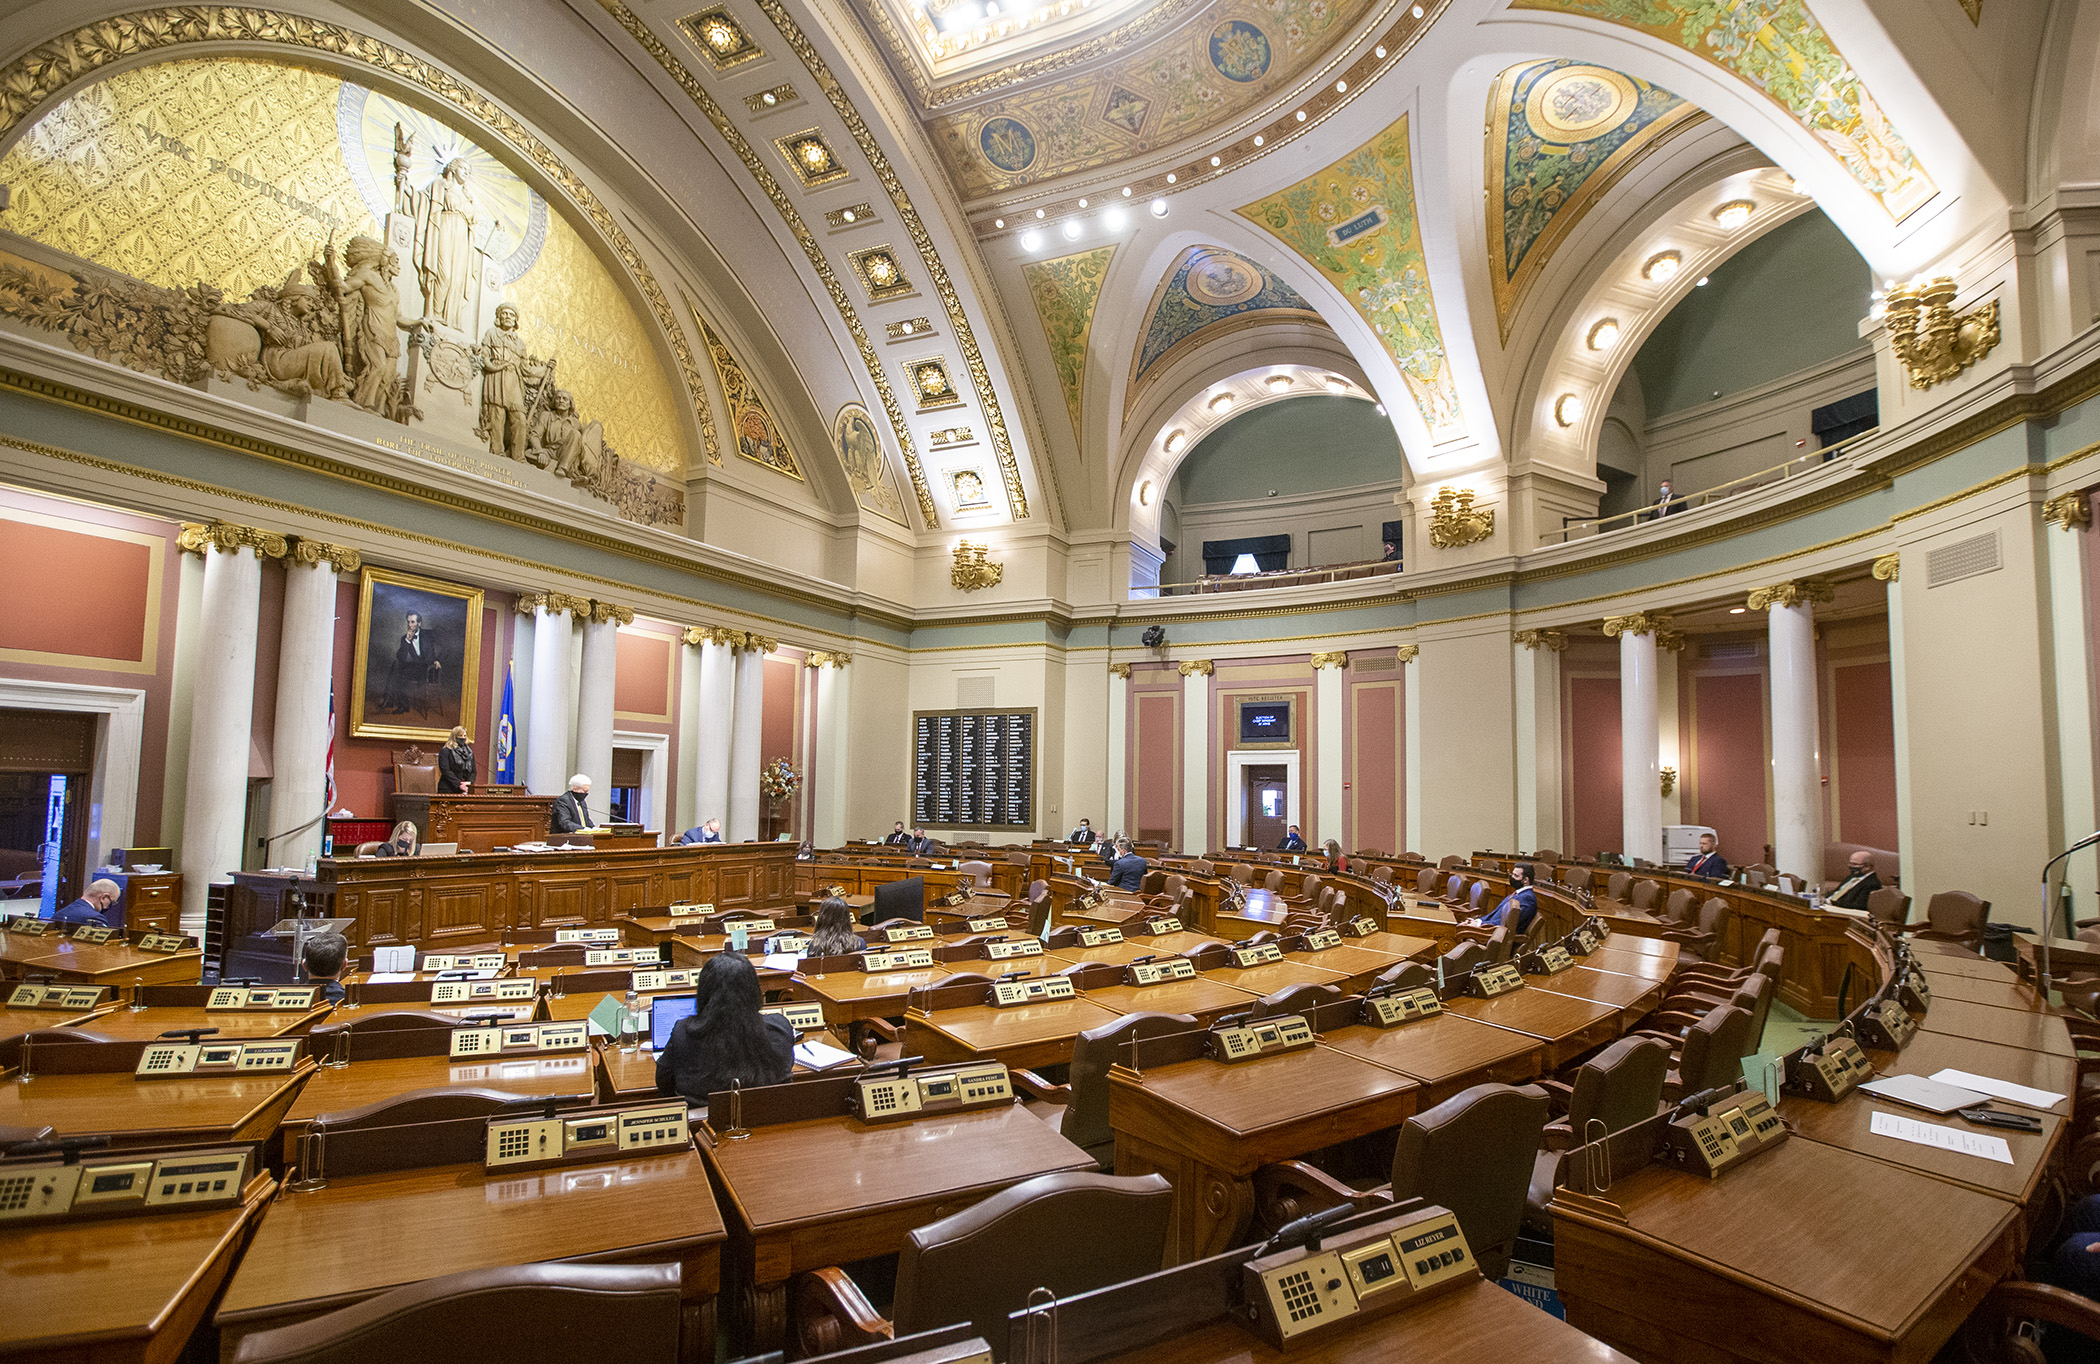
<point x="38" y="77"/>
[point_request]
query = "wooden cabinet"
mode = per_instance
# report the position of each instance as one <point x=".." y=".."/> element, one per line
<point x="151" y="901"/>
<point x="477" y="823"/>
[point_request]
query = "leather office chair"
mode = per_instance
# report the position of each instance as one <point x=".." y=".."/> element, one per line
<point x="1546" y="855"/>
<point x="1955" y="916"/>
<point x="1889" y="906"/>
<point x="1455" y="891"/>
<point x="1243" y="873"/>
<point x="1382" y="874"/>
<point x="1712" y="1053"/>
<point x="1294" y="999"/>
<point x="1427" y="880"/>
<point x="1273" y="882"/>
<point x="1464" y="958"/>
<point x="1618" y="885"/>
<point x="1447" y="863"/>
<point x="1472" y="1153"/>
<point x="1645" y="894"/>
<point x="1477" y="902"/>
<point x="1084" y="1095"/>
<point x="1069" y="1233"/>
<point x="1671" y="1023"/>
<point x="1700" y="939"/>
<point x="1487" y="864"/>
<point x="1618" y="1087"/>
<point x="522" y="1314"/>
<point x="1705" y="986"/>
<point x="11" y="1047"/>
<point x="980" y="873"/>
<point x="1837" y="864"/>
<point x="1678" y="907"/>
<point x="367" y="848"/>
<point x="1038" y="905"/>
<point x="413" y="773"/>
<point x="1018" y="859"/>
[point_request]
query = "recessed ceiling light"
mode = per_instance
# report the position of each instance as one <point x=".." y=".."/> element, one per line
<point x="1336" y="384"/>
<point x="1126" y="191"/>
<point x="1071" y="229"/>
<point x="1170" y="177"/>
<point x="1605" y="334"/>
<point x="1257" y="139"/>
<point x="847" y="215"/>
<point x="998" y="222"/>
<point x="1082" y="203"/>
<point x="1380" y="50"/>
<point x="1737" y="610"/>
<point x="1159" y="208"/>
<point x="1301" y="116"/>
<point x="1734" y="214"/>
<point x="1662" y="267"/>
<point x="1341" y="87"/>
<point x="1217" y="161"/>
<point x="1567" y="409"/>
<point x="769" y="98"/>
<point x="1031" y="240"/>
<point x="1222" y="403"/>
<point x="905" y="327"/>
<point x="1145" y="493"/>
<point x="1278" y="382"/>
<point x="1702" y="282"/>
<point x="1116" y="219"/>
<point x="1417" y="11"/>
<point x="1176" y="441"/>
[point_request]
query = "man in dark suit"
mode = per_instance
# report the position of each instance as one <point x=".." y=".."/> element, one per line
<point x="1708" y="862"/>
<point x="1859" y="883"/>
<point x="1294" y="841"/>
<point x="708" y="831"/>
<point x="1083" y="835"/>
<point x="898" y="838"/>
<point x="1127" y="872"/>
<point x="572" y="809"/>
<point x="1667" y="502"/>
<point x="1519" y="907"/>
<point x="93" y="903"/>
<point x="922" y="845"/>
<point x="411" y="682"/>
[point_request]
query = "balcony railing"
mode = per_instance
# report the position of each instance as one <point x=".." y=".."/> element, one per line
<point x="1282" y="577"/>
<point x="1763" y="478"/>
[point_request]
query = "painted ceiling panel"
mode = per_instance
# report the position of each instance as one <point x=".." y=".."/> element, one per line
<point x="1206" y="286"/>
<point x="1065" y="291"/>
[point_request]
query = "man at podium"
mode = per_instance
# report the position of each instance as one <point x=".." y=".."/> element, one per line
<point x="571" y="810"/>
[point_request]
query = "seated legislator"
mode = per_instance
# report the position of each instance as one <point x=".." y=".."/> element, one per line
<point x="1127" y="872"/>
<point x="1294" y="841"/>
<point x="93" y="903"/>
<point x="2078" y="1258"/>
<point x="727" y="1038"/>
<point x="1519" y="907"/>
<point x="707" y="831"/>
<point x="898" y="838"/>
<point x="323" y="957"/>
<point x="400" y="843"/>
<point x="1860" y="882"/>
<point x="572" y="808"/>
<point x="1083" y="835"/>
<point x="922" y="844"/>
<point x="834" y="935"/>
<point x="1708" y="862"/>
<point x="456" y="764"/>
<point x="1336" y="862"/>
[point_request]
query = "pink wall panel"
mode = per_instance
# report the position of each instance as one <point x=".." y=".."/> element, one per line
<point x="74" y="592"/>
<point x="1596" y="813"/>
<point x="1156" y="762"/>
<point x="1863" y="755"/>
<point x="1729" y="771"/>
<point x="1375" y="768"/>
<point x="642" y="673"/>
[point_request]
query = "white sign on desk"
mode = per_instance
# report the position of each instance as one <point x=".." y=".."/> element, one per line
<point x="1939" y="1134"/>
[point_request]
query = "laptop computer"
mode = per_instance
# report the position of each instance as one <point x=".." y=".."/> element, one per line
<point x="437" y="849"/>
<point x="664" y="1013"/>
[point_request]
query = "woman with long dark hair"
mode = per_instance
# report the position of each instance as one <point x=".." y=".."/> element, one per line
<point x="727" y="1038"/>
<point x="834" y="936"/>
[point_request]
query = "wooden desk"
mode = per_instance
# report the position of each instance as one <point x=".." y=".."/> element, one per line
<point x="367" y="1082"/>
<point x="1633" y="996"/>
<point x="209" y="1108"/>
<point x="2003" y="991"/>
<point x="1358" y="964"/>
<point x="1399" y="944"/>
<point x="2007" y="1027"/>
<point x="826" y="1191"/>
<point x="1773" y="1262"/>
<point x="1445" y="1053"/>
<point x="1569" y="1026"/>
<point x="362" y="1235"/>
<point x="1464" y="1326"/>
<point x="15" y="1022"/>
<point x="476" y="821"/>
<point x="1027" y="1036"/>
<point x="1263" y="981"/>
<point x="116" y="965"/>
<point x="1643" y="965"/>
<point x="1847" y="1124"/>
<point x="1931" y="1052"/>
<point x="851" y="997"/>
<point x="1938" y="947"/>
<point x="623" y="1075"/>
<point x="124" y="1024"/>
<point x="126" y="1290"/>
<point x="1201" y="996"/>
<point x="1960" y="962"/>
<point x="1208" y="1126"/>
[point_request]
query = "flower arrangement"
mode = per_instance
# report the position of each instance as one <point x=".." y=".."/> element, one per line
<point x="778" y="781"/>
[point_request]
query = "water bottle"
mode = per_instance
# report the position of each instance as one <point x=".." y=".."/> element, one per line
<point x="739" y="938"/>
<point x="631" y="1022"/>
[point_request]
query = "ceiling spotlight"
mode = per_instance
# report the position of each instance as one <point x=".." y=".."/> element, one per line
<point x="1145" y="493"/>
<point x="1336" y="384"/>
<point x="1734" y="214"/>
<point x="1071" y="229"/>
<point x="1222" y="403"/>
<point x="1301" y="116"/>
<point x="1170" y="177"/>
<point x="769" y="99"/>
<point x="1605" y="334"/>
<point x="1379" y="50"/>
<point x="1662" y="267"/>
<point x="1278" y="382"/>
<point x="1116" y="219"/>
<point x="1126" y="191"/>
<point x="1031" y="240"/>
<point x="1341" y="87"/>
<point x="846" y="216"/>
<point x="1379" y="408"/>
<point x="1082" y="203"/>
<point x="1159" y="208"/>
<point x="998" y="222"/>
<point x="906" y="327"/>
<point x="1217" y="161"/>
<point x="1736" y="610"/>
<point x="1257" y="139"/>
<point x="1417" y="11"/>
<point x="1567" y="409"/>
<point x="1702" y="282"/>
<point x="1176" y="441"/>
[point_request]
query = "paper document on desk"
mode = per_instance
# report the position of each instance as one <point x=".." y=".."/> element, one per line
<point x="1940" y="1135"/>
<point x="1999" y="1089"/>
<point x="392" y="977"/>
<point x="780" y="961"/>
<point x="820" y="1056"/>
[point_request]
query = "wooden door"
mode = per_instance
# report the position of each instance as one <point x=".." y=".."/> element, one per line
<point x="1266" y="818"/>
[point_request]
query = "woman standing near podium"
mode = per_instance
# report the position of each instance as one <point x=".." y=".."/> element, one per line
<point x="456" y="764"/>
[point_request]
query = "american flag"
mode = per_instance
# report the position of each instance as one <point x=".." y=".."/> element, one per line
<point x="328" y="781"/>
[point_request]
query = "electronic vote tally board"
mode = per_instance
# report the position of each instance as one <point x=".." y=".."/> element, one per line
<point x="973" y="769"/>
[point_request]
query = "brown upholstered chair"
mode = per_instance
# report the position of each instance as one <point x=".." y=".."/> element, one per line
<point x="1618" y="886"/>
<point x="11" y="1047"/>
<point x="1546" y="855"/>
<point x="1427" y="880"/>
<point x="1889" y="906"/>
<point x="1703" y="989"/>
<point x="1678" y="907"/>
<point x="1645" y="894"/>
<point x="1464" y="958"/>
<point x="523" y="1314"/>
<point x="1084" y="1095"/>
<point x="1038" y="904"/>
<point x="1956" y="916"/>
<point x="1618" y="1087"/>
<point x="1671" y="1024"/>
<point x="415" y="774"/>
<point x="1243" y="873"/>
<point x="1294" y="999"/>
<point x="1070" y="1233"/>
<point x="1712" y="1053"/>
<point x="1447" y="863"/>
<point x="1273" y="882"/>
<point x="1697" y="941"/>
<point x="1382" y="874"/>
<point x="1837" y="864"/>
<point x="1455" y="890"/>
<point x="367" y="848"/>
<point x="1713" y="976"/>
<point x="980" y="873"/>
<point x="1472" y="1153"/>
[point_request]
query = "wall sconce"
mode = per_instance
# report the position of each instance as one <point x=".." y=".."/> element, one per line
<point x="1669" y="781"/>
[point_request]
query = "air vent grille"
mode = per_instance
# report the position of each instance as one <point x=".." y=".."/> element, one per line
<point x="1963" y="559"/>
<point x="1374" y="664"/>
<point x="1731" y="649"/>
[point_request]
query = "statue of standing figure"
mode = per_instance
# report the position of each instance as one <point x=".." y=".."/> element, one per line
<point x="448" y="250"/>
<point x="371" y="307"/>
<point x="504" y="366"/>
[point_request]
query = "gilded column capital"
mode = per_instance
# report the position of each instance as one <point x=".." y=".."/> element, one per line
<point x="314" y="553"/>
<point x="1195" y="667"/>
<point x="1888" y="566"/>
<point x="1121" y="670"/>
<point x="605" y="612"/>
<point x="1793" y="592"/>
<point x="1666" y="638"/>
<point x="1337" y="659"/>
<point x="553" y="603"/>
<point x="2071" y="511"/>
<point x="1639" y="623"/>
<point x="763" y="644"/>
<point x="825" y="658"/>
<point x="1542" y="639"/>
<point x="693" y="634"/>
<point x="1408" y="652"/>
<point x="196" y="537"/>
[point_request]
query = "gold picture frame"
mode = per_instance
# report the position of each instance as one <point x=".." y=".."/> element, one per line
<point x="392" y="694"/>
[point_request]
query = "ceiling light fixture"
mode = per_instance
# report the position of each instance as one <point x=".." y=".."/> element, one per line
<point x="1734" y="214"/>
<point x="1301" y="116"/>
<point x="1082" y="203"/>
<point x="1662" y="267"/>
<point x="1341" y="87"/>
<point x="1417" y="11"/>
<point x="1257" y="139"/>
<point x="1380" y="51"/>
<point x="906" y="327"/>
<point x="1145" y="493"/>
<point x="1217" y="161"/>
<point x="1170" y="177"/>
<point x="847" y="215"/>
<point x="1605" y="334"/>
<point x="1031" y="240"/>
<point x="1336" y="384"/>
<point x="1126" y="191"/>
<point x="1116" y="219"/>
<point x="1737" y="610"/>
<point x="1175" y="441"/>
<point x="1278" y="382"/>
<point x="998" y="222"/>
<point x="1071" y="229"/>
<point x="1567" y="409"/>
<point x="1222" y="403"/>
<point x="1159" y="208"/>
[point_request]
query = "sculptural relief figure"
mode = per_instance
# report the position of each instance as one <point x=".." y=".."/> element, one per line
<point x="448" y="251"/>
<point x="371" y="308"/>
<point x="504" y="367"/>
<point x="279" y="336"/>
<point x="564" y="442"/>
<point x="404" y="157"/>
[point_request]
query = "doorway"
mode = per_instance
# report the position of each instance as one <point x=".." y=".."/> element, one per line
<point x="46" y="762"/>
<point x="1266" y="817"/>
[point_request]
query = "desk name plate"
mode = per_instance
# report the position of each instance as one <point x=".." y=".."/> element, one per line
<point x="164" y="942"/>
<point x="905" y="959"/>
<point x="95" y="934"/>
<point x="229" y="998"/>
<point x="529" y="1143"/>
<point x="483" y="991"/>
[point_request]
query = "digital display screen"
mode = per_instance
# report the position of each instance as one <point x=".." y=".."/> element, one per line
<point x="1378" y="1268"/>
<point x="112" y="1183"/>
<point x="664" y="1015"/>
<point x="1265" y="722"/>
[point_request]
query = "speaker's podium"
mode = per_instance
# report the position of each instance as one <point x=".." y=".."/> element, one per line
<point x="481" y="821"/>
<point x="611" y="838"/>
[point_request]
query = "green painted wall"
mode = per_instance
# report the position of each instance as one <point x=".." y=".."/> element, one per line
<point x="1791" y="299"/>
<point x="1299" y="445"/>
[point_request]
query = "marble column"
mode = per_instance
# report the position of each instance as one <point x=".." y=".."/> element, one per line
<point x="1888" y="568"/>
<point x="594" y="700"/>
<point x="1327" y="818"/>
<point x="685" y="800"/>
<point x="717" y="723"/>
<point x="1411" y="693"/>
<point x="1195" y="756"/>
<point x="2080" y="815"/>
<point x="547" y="739"/>
<point x="745" y="739"/>
<point x="1639" y="769"/>
<point x="1536" y="664"/>
<point x="305" y="675"/>
<point x="215" y="799"/>
<point x="1112" y="812"/>
<point x="833" y="778"/>
<point x="1797" y="776"/>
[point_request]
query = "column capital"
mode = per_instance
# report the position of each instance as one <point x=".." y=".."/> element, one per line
<point x="1552" y="640"/>
<point x="1195" y="667"/>
<point x="1639" y="623"/>
<point x="1792" y="592"/>
<point x="2071" y="511"/>
<point x="1888" y="566"/>
<point x="314" y="553"/>
<point x="1121" y="670"/>
<point x="553" y="603"/>
<point x="1338" y="659"/>
<point x="760" y="644"/>
<point x="825" y="658"/>
<point x="1408" y="652"/>
<point x="605" y="612"/>
<point x="196" y="537"/>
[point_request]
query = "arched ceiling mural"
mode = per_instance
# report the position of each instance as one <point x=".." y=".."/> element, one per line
<point x="1206" y="288"/>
